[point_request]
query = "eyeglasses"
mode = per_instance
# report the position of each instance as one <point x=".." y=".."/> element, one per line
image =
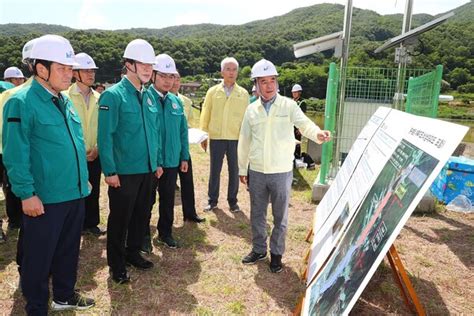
<point x="166" y="76"/>
<point x="88" y="71"/>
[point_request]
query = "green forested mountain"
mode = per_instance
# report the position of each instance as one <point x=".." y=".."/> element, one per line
<point x="198" y="49"/>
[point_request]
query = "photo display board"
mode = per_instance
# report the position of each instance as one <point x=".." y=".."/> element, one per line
<point x="389" y="168"/>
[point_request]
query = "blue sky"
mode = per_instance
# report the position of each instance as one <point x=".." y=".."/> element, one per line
<point x="124" y="14"/>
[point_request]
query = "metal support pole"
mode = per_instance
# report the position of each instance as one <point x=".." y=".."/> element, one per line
<point x="342" y="83"/>
<point x="403" y="57"/>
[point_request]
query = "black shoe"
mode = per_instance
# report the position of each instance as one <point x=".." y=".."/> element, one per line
<point x="96" y="231"/>
<point x="120" y="277"/>
<point x="253" y="257"/>
<point x="235" y="208"/>
<point x="147" y="248"/>
<point x="77" y="301"/>
<point x="138" y="262"/>
<point x="275" y="263"/>
<point x="169" y="242"/>
<point x="210" y="207"/>
<point x="195" y="219"/>
<point x="146" y="244"/>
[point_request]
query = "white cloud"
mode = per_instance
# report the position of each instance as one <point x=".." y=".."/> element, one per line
<point x="90" y="15"/>
<point x="123" y="14"/>
<point x="192" y="17"/>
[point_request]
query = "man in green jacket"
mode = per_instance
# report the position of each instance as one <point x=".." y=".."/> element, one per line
<point x="44" y="155"/>
<point x="175" y="144"/>
<point x="130" y="156"/>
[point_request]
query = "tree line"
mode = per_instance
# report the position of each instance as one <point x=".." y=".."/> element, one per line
<point x="199" y="49"/>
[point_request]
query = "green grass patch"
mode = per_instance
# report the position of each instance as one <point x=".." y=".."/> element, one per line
<point x="236" y="307"/>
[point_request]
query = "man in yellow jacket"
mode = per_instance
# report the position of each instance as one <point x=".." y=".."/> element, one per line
<point x="267" y="143"/>
<point x="222" y="113"/>
<point x="85" y="99"/>
<point x="187" y="102"/>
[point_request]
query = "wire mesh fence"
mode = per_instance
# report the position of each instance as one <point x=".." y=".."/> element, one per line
<point x="366" y="90"/>
<point x="423" y="93"/>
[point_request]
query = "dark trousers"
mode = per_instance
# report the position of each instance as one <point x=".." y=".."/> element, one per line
<point x="187" y="191"/>
<point x="147" y="236"/>
<point x="219" y="149"/>
<point x="15" y="214"/>
<point x="129" y="208"/>
<point x="2" y="169"/>
<point x="297" y="134"/>
<point x="19" y="247"/>
<point x="12" y="203"/>
<point x="51" y="246"/>
<point x="166" y="190"/>
<point x="92" y="218"/>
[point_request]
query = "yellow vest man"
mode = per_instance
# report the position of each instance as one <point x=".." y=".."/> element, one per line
<point x="222" y="113"/>
<point x="85" y="99"/>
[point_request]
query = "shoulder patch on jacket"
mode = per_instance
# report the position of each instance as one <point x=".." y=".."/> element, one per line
<point x="104" y="107"/>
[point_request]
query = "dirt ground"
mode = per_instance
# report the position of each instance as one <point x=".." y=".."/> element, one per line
<point x="205" y="276"/>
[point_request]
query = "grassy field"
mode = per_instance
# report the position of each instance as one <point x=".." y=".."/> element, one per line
<point x="206" y="277"/>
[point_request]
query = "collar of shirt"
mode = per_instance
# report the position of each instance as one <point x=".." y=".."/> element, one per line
<point x="267" y="104"/>
<point x="162" y="97"/>
<point x="78" y="90"/>
<point x="43" y="92"/>
<point x="228" y="90"/>
<point x="159" y="93"/>
<point x="132" y="90"/>
<point x="130" y="85"/>
<point x="86" y="96"/>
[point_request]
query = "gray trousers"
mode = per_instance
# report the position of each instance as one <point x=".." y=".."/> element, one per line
<point x="277" y="186"/>
<point x="218" y="149"/>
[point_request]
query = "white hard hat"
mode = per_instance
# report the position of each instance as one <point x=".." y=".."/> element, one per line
<point x="165" y="64"/>
<point x="263" y="68"/>
<point x="84" y="61"/>
<point x="12" y="72"/>
<point x="53" y="48"/>
<point x="140" y="50"/>
<point x="26" y="51"/>
<point x="254" y="88"/>
<point x="296" y="88"/>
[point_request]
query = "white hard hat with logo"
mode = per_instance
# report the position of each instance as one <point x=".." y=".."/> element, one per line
<point x="165" y="64"/>
<point x="84" y="61"/>
<point x="263" y="68"/>
<point x="141" y="51"/>
<point x="53" y="48"/>
<point x="26" y="51"/>
<point x="12" y="72"/>
<point x="296" y="88"/>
